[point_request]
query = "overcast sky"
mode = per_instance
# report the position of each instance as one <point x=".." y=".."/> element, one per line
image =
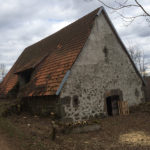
<point x="24" y="22"/>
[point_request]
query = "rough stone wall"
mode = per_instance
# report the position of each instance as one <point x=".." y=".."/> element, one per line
<point x="102" y="66"/>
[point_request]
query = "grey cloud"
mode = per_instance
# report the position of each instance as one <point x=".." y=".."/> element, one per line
<point x="23" y="22"/>
<point x="145" y="32"/>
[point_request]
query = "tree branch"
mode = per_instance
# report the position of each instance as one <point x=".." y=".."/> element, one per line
<point x="121" y="5"/>
<point x="148" y="14"/>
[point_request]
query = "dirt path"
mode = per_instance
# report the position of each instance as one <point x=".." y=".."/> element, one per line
<point x="3" y="144"/>
<point x="129" y="132"/>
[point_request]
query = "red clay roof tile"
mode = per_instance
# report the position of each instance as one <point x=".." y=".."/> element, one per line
<point x="50" y="58"/>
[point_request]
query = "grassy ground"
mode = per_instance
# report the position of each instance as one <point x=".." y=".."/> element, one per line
<point x="27" y="132"/>
<point x="17" y="138"/>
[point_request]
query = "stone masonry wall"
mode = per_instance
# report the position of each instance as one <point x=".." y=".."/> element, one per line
<point x="102" y="66"/>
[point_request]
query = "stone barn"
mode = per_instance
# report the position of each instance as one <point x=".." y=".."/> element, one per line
<point x="79" y="72"/>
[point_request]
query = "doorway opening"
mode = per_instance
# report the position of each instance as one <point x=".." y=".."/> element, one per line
<point x="112" y="105"/>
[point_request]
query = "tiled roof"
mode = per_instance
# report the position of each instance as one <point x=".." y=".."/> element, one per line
<point x="50" y="58"/>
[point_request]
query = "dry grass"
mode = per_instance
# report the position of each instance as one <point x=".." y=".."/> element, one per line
<point x="135" y="138"/>
<point x="121" y="132"/>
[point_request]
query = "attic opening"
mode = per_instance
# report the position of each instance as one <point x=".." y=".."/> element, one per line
<point x="25" y="76"/>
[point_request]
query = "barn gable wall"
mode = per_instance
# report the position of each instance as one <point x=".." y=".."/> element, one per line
<point x="102" y="66"/>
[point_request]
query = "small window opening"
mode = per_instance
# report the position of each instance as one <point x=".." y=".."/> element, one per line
<point x="25" y="76"/>
<point x="75" y="101"/>
<point x="105" y="50"/>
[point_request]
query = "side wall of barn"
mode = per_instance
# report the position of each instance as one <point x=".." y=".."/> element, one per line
<point x="102" y="67"/>
<point x="43" y="105"/>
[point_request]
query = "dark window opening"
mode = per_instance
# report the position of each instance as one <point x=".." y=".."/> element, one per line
<point x="75" y="101"/>
<point x="112" y="105"/>
<point x="105" y="50"/>
<point x="25" y="76"/>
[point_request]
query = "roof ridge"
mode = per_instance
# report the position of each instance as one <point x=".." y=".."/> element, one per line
<point x="65" y="27"/>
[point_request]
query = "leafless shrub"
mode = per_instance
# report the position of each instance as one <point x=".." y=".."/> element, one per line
<point x="121" y="7"/>
<point x="2" y="71"/>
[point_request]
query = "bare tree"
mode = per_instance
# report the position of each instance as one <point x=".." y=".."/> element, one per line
<point x="139" y="59"/>
<point x="2" y="71"/>
<point x="121" y="7"/>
